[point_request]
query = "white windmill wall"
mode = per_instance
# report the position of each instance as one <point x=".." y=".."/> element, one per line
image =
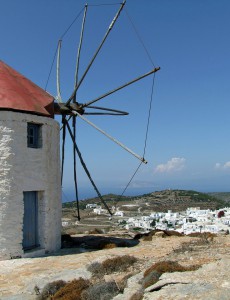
<point x="27" y="169"/>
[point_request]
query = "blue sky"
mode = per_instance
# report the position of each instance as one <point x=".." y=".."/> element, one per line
<point x="188" y="140"/>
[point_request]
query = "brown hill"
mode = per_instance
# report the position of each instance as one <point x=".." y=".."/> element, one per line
<point x="175" y="200"/>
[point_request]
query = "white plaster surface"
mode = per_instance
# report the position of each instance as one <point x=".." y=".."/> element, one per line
<point x="27" y="169"/>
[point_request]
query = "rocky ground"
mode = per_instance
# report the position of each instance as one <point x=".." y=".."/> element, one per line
<point x="211" y="280"/>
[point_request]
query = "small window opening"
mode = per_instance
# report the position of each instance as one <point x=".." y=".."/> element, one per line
<point x="34" y="135"/>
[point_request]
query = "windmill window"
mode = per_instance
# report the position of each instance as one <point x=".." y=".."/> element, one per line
<point x="34" y="135"/>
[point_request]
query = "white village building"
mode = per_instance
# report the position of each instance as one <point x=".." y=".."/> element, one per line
<point x="30" y="185"/>
<point x="191" y="221"/>
<point x="99" y="210"/>
<point x="90" y="206"/>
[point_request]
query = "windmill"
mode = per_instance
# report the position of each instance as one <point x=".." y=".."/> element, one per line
<point x="71" y="109"/>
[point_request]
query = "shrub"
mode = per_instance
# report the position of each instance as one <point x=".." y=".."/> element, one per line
<point x="96" y="269"/>
<point x="50" y="289"/>
<point x="111" y="265"/>
<point x="153" y="273"/>
<point x="172" y="233"/>
<point x="147" y="238"/>
<point x="168" y="267"/>
<point x="104" y="290"/>
<point x="96" y="231"/>
<point x="205" y="237"/>
<point x="201" y="234"/>
<point x="118" y="264"/>
<point x="137" y="228"/>
<point x="151" y="278"/>
<point x="103" y="244"/>
<point x="72" y="290"/>
<point x="110" y="246"/>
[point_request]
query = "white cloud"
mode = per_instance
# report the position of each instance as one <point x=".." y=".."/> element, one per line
<point x="172" y="165"/>
<point x="224" y="166"/>
<point x="227" y="165"/>
<point x="217" y="165"/>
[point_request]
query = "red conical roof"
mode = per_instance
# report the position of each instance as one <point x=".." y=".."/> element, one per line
<point x="19" y="93"/>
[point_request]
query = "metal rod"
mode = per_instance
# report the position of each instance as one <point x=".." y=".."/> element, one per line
<point x="97" y="51"/>
<point x="79" y="50"/>
<point x="120" y="87"/>
<point x="59" y="99"/>
<point x="111" y="138"/>
<point x="86" y="169"/>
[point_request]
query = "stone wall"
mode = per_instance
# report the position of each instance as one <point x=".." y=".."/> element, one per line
<point x="28" y="169"/>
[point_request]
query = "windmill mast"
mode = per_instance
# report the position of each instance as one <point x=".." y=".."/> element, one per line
<point x="73" y="108"/>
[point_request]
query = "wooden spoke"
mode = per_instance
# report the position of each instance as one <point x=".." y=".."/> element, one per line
<point x="120" y="87"/>
<point x="97" y="51"/>
<point x="59" y="99"/>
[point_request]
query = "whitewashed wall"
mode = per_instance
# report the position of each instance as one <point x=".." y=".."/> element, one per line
<point x="28" y="169"/>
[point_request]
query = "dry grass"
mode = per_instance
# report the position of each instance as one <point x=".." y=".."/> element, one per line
<point x="151" y="278"/>
<point x="104" y="290"/>
<point x="205" y="237"/>
<point x="96" y="231"/>
<point x="168" y="267"/>
<point x="103" y="244"/>
<point x="111" y="265"/>
<point x="147" y="238"/>
<point x="202" y="240"/>
<point x="50" y="289"/>
<point x="109" y="246"/>
<point x="82" y="289"/>
<point x="153" y="273"/>
<point x="173" y="233"/>
<point x="72" y="290"/>
<point x="185" y="247"/>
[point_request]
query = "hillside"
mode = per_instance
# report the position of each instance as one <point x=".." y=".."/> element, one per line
<point x="144" y="205"/>
<point x="225" y="196"/>
<point x="175" y="200"/>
